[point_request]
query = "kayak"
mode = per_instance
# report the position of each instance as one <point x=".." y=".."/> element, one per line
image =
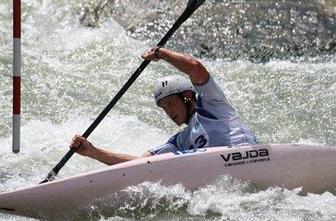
<point x="311" y="167"/>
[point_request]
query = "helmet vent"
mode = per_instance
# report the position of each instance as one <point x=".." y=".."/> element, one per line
<point x="164" y="83"/>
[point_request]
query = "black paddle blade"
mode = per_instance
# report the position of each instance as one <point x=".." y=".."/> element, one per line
<point x="50" y="177"/>
<point x="192" y="6"/>
<point x="195" y="3"/>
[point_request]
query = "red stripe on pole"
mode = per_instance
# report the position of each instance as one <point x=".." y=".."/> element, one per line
<point x="17" y="18"/>
<point x="16" y="94"/>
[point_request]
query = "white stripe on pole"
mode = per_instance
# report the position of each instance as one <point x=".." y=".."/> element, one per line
<point x="17" y="57"/>
<point x="16" y="133"/>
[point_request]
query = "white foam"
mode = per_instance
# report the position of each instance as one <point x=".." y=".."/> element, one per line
<point x="45" y="143"/>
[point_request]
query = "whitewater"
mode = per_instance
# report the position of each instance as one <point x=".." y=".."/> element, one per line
<point x="70" y="72"/>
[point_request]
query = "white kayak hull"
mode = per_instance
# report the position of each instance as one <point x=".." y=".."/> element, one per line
<point x="312" y="167"/>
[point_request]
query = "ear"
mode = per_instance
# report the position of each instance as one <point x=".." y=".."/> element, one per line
<point x="188" y="96"/>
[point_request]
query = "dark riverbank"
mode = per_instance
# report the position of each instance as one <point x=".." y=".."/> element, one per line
<point x="254" y="30"/>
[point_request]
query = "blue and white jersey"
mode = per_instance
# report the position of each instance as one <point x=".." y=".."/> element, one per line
<point x="215" y="123"/>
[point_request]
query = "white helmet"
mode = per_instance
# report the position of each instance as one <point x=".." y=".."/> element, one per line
<point x="169" y="85"/>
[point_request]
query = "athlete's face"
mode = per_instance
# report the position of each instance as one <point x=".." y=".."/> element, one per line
<point x="174" y="108"/>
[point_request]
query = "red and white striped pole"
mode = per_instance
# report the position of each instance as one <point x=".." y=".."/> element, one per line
<point x="16" y="74"/>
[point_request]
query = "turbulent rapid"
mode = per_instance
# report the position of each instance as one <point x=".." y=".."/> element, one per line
<point x="279" y="75"/>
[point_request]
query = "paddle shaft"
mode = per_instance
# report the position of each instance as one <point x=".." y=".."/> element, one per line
<point x="190" y="9"/>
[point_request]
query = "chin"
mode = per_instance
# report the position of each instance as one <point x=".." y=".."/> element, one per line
<point x="179" y="123"/>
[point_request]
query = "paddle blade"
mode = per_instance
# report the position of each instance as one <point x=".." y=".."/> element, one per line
<point x="192" y="6"/>
<point x="195" y="3"/>
<point x="50" y="177"/>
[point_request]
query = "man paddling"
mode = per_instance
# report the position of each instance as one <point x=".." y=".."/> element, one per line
<point x="198" y="103"/>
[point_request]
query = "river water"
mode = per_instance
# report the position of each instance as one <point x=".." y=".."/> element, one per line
<point x="71" y="70"/>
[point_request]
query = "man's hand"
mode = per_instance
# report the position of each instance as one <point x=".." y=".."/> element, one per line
<point x="84" y="146"/>
<point x="183" y="62"/>
<point x="152" y="54"/>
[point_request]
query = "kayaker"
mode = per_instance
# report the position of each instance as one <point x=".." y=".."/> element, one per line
<point x="199" y="103"/>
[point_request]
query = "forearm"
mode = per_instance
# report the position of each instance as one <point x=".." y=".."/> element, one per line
<point x="109" y="158"/>
<point x="185" y="63"/>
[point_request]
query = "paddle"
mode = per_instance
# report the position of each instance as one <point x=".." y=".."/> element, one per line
<point x="192" y="6"/>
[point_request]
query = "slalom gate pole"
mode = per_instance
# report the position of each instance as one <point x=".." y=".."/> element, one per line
<point x="16" y="75"/>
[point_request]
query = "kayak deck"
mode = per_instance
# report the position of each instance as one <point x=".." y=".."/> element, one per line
<point x="312" y="167"/>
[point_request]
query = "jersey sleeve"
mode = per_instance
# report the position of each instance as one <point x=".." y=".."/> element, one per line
<point x="210" y="92"/>
<point x="164" y="148"/>
<point x="211" y="101"/>
<point x="169" y="147"/>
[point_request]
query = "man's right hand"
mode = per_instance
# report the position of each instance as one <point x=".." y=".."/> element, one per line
<point x="84" y="146"/>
